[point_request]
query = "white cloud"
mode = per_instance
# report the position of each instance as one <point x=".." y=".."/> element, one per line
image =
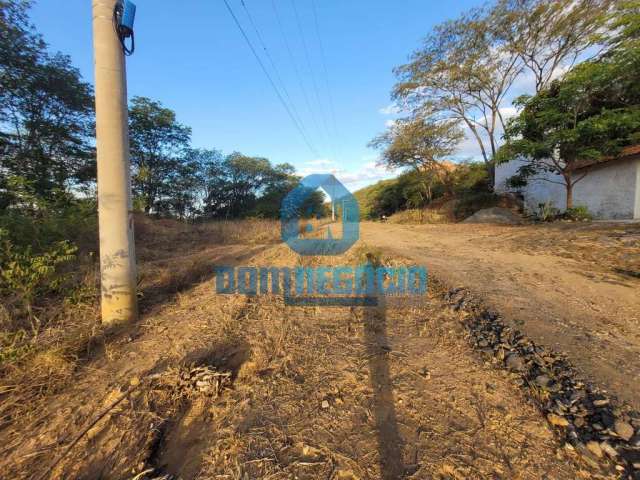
<point x="367" y="175"/>
<point x="353" y="179"/>
<point x="469" y="147"/>
<point x="508" y="112"/>
<point x="389" y="123"/>
<point x="321" y="162"/>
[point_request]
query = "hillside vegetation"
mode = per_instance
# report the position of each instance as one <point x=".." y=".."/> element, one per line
<point x="418" y="197"/>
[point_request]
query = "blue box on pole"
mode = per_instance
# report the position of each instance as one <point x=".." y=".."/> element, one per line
<point x="128" y="15"/>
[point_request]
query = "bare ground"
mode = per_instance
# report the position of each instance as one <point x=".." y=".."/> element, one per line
<point x="574" y="287"/>
<point x="336" y="393"/>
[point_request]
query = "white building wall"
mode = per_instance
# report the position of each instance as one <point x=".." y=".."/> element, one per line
<point x="637" y="210"/>
<point x="538" y="190"/>
<point x="610" y="190"/>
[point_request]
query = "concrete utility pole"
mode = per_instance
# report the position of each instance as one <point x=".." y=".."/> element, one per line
<point x="117" y="250"/>
<point x="333" y="201"/>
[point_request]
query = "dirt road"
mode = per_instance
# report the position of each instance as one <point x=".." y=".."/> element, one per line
<point x="210" y="386"/>
<point x="571" y="287"/>
<point x="338" y="393"/>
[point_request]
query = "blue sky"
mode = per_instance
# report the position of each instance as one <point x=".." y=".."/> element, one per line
<point x="191" y="56"/>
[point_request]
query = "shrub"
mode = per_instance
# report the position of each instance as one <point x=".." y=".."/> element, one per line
<point x="578" y="213"/>
<point x="25" y="274"/>
<point x="546" y="212"/>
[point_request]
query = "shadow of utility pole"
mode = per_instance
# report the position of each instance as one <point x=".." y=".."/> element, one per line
<point x="390" y="444"/>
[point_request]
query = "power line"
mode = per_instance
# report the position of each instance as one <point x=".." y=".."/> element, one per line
<point x="273" y="65"/>
<point x="324" y="66"/>
<point x="313" y="77"/>
<point x="266" y="72"/>
<point x="295" y="67"/>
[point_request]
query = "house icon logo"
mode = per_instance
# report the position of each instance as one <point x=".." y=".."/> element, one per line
<point x="328" y="239"/>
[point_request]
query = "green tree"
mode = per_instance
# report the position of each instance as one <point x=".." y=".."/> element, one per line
<point x="278" y="184"/>
<point x="181" y="194"/>
<point x="550" y="37"/>
<point x="592" y="113"/>
<point x="159" y="145"/>
<point x="462" y="74"/>
<point x="466" y="67"/>
<point x="46" y="110"/>
<point x="238" y="186"/>
<point x="245" y="179"/>
<point x="423" y="145"/>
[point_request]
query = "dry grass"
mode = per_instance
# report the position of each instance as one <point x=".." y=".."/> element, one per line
<point x="415" y="216"/>
<point x="451" y="210"/>
<point x="157" y="239"/>
<point x="172" y="256"/>
<point x="348" y="393"/>
<point x="598" y="245"/>
<point x="336" y="393"/>
<point x="439" y="211"/>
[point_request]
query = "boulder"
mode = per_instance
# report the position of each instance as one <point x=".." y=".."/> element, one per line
<point x="495" y="215"/>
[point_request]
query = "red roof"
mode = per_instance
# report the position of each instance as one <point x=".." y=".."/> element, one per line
<point x="630" y="151"/>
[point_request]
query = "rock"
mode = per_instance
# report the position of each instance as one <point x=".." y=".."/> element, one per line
<point x="594" y="447"/>
<point x="603" y="402"/>
<point x="495" y="215"/>
<point x="623" y="429"/>
<point x="557" y="420"/>
<point x="310" y="454"/>
<point x="542" y="381"/>
<point x="607" y="419"/>
<point x="325" y="404"/>
<point x="514" y="362"/>
<point x="345" y="475"/>
<point x="587" y="455"/>
<point x="630" y="455"/>
<point x="608" y="449"/>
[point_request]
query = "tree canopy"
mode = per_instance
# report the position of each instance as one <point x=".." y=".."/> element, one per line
<point x="466" y="67"/>
<point x="591" y="113"/>
<point x="46" y="110"/>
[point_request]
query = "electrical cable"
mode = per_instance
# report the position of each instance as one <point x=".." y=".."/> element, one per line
<point x="295" y="67"/>
<point x="326" y="71"/>
<point x="274" y="66"/>
<point x="266" y="72"/>
<point x="313" y="77"/>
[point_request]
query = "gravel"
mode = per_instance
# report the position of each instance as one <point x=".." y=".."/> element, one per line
<point x="602" y="431"/>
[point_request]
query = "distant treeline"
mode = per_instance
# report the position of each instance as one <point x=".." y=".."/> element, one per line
<point x="172" y="179"/>
<point x="47" y="147"/>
